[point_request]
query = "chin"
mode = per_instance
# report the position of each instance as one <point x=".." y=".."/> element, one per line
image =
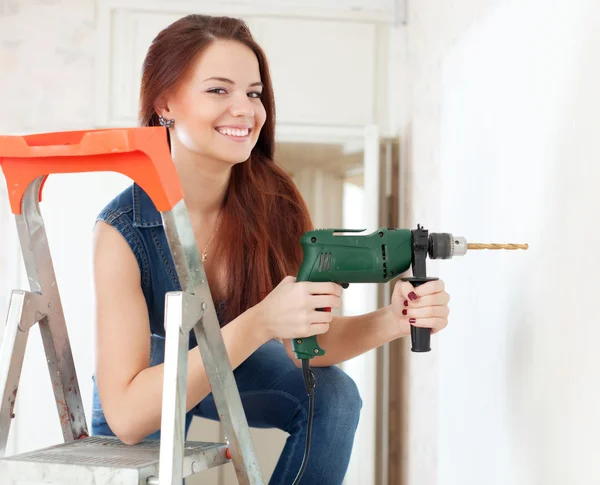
<point x="232" y="158"/>
<point x="234" y="154"/>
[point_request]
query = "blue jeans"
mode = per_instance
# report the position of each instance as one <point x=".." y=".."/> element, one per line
<point x="273" y="396"/>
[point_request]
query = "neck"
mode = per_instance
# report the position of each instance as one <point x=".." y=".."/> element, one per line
<point x="204" y="182"/>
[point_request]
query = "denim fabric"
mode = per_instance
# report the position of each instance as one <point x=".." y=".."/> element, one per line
<point x="270" y="385"/>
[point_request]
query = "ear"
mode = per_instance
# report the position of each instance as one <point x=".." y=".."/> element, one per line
<point x="161" y="106"/>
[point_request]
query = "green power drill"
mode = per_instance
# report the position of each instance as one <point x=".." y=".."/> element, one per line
<point x="374" y="258"/>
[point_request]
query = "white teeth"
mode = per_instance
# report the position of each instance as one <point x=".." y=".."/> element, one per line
<point x="233" y="132"/>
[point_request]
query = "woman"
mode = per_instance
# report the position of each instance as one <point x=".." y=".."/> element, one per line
<point x="206" y="79"/>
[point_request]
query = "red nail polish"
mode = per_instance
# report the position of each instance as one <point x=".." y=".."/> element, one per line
<point x="405" y="312"/>
<point x="405" y="302"/>
<point x="413" y="320"/>
<point x="413" y="296"/>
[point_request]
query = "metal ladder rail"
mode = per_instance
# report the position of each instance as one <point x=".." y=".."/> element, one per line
<point x="142" y="154"/>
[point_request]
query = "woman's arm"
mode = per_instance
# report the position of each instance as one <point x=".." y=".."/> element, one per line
<point x="130" y="390"/>
<point x="349" y="337"/>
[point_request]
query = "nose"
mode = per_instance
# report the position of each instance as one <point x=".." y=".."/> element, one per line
<point x="241" y="106"/>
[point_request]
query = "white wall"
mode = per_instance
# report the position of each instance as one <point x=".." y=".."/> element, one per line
<point x="432" y="28"/>
<point x="518" y="372"/>
<point x="511" y="157"/>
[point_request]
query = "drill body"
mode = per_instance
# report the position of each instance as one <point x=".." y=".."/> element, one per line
<point x="373" y="258"/>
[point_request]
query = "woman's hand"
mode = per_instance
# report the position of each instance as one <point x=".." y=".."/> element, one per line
<point x="290" y="310"/>
<point x="424" y="306"/>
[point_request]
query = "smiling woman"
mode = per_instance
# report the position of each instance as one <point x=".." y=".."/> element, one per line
<point x="207" y="81"/>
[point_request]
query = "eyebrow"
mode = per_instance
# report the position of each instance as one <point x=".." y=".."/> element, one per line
<point x="229" y="81"/>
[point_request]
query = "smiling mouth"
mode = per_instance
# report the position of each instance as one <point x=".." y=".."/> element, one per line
<point x="240" y="134"/>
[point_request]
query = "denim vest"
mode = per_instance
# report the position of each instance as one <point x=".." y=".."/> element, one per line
<point x="135" y="216"/>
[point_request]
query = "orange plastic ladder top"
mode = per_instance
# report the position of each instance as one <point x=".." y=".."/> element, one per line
<point x="142" y="154"/>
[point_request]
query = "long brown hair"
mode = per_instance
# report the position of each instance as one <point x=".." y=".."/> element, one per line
<point x="264" y="214"/>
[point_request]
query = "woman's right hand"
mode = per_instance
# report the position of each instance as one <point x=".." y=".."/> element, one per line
<point x="290" y="310"/>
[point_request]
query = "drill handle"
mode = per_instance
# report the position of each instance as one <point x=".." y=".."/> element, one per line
<point x="420" y="337"/>
<point x="307" y="347"/>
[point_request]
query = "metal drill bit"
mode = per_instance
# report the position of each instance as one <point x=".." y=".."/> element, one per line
<point x="509" y="247"/>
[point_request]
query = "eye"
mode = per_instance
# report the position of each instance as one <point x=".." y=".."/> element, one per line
<point x="217" y="91"/>
<point x="255" y="94"/>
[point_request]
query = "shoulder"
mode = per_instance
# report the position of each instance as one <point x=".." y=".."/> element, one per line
<point x="129" y="212"/>
<point x="120" y="205"/>
<point x="132" y="207"/>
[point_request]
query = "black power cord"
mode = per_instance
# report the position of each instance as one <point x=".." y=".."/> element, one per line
<point x="310" y="381"/>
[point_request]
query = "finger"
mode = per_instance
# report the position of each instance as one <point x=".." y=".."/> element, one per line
<point x="436" y="324"/>
<point x="406" y="290"/>
<point x="319" y="328"/>
<point x="325" y="301"/>
<point x="409" y="292"/>
<point x="320" y="317"/>
<point x="326" y="288"/>
<point x="436" y="299"/>
<point x="430" y="288"/>
<point x="427" y="312"/>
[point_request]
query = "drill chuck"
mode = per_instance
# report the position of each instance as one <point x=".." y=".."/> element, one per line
<point x="443" y="245"/>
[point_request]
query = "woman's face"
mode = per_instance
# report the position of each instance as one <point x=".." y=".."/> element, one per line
<point x="218" y="110"/>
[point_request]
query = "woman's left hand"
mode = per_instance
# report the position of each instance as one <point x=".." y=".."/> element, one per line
<point x="424" y="306"/>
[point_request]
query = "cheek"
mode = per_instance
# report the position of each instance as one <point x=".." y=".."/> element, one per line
<point x="261" y="116"/>
<point x="204" y="118"/>
<point x="196" y="129"/>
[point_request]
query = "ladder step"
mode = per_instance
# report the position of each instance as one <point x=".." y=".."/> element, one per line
<point x="106" y="461"/>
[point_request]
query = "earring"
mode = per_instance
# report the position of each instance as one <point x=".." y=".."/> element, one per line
<point x="163" y="122"/>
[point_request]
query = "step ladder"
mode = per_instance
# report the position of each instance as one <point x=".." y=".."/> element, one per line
<point x="143" y="155"/>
